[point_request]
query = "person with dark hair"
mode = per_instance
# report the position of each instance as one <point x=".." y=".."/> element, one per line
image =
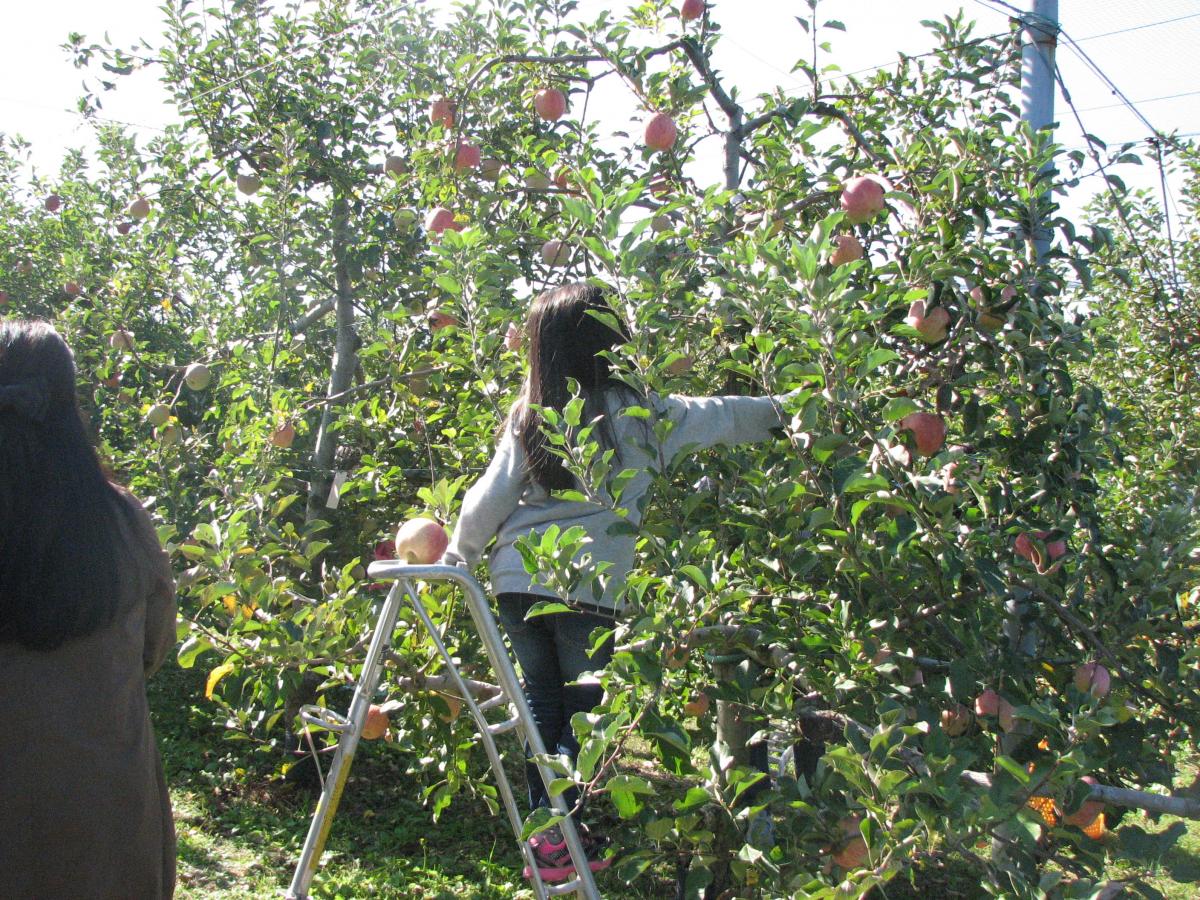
<point x="571" y="332"/>
<point x="87" y="613"/>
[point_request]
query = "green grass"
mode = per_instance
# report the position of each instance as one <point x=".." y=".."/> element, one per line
<point x="240" y="831"/>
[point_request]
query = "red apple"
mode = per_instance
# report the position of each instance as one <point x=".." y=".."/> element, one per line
<point x="466" y="157"/>
<point x="987" y="703"/>
<point x="562" y="178"/>
<point x="441" y="111"/>
<point x="846" y="249"/>
<point x="956" y="720"/>
<point x="513" y="337"/>
<point x="1007" y="293"/>
<point x="660" y="132"/>
<point x="1087" y="813"/>
<point x="660" y="224"/>
<point x="53" y="202"/>
<point x="698" y="705"/>
<point x="440" y="219"/>
<point x="690" y="10"/>
<point x="394" y="165"/>
<point x="284" y="435"/>
<point x="852" y="853"/>
<point x="72" y="289"/>
<point x="550" y="104"/>
<point x="556" y="253"/>
<point x="3" y="297"/>
<point x="139" y="209"/>
<point x="197" y="376"/>
<point x="929" y="429"/>
<point x="1092" y="678"/>
<point x="537" y="181"/>
<point x="421" y="541"/>
<point x="490" y="168"/>
<point x="862" y="198"/>
<point x="1024" y="547"/>
<point x="439" y="320"/>
<point x="124" y="227"/>
<point x="121" y="340"/>
<point x="376" y="725"/>
<point x="932" y="326"/>
<point x="249" y="184"/>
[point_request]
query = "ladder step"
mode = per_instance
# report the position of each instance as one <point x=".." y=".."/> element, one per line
<point x="327" y="719"/>
<point x="567" y="887"/>
<point x="505" y="726"/>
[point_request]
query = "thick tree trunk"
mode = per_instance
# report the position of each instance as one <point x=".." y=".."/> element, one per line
<point x="345" y="361"/>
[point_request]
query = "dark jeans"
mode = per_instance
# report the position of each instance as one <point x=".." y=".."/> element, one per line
<point x="552" y="651"/>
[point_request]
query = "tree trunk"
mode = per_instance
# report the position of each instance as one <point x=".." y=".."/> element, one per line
<point x="345" y="362"/>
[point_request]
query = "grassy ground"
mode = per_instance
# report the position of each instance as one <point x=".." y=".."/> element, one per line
<point x="240" y="833"/>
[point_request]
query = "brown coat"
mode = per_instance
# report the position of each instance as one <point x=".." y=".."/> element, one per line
<point x="84" y="810"/>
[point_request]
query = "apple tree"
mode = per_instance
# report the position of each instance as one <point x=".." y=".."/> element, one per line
<point x="918" y="603"/>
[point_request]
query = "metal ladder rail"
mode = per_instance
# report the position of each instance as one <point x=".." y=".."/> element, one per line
<point x="351" y="728"/>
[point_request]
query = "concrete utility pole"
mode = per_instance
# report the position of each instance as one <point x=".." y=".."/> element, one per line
<point x="1037" y="85"/>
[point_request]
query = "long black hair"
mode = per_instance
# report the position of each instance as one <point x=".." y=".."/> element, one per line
<point x="568" y="331"/>
<point x="60" y="516"/>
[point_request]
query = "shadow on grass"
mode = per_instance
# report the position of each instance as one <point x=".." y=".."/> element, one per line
<point x="1161" y="850"/>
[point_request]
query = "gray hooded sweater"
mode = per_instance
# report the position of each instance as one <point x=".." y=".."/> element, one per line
<point x="505" y="503"/>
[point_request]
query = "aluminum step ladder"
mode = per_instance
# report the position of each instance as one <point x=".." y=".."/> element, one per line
<point x="350" y="727"/>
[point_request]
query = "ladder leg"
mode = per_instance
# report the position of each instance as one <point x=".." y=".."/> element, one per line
<point x="318" y="832"/>
<point x="489" y="742"/>
<point x="497" y="653"/>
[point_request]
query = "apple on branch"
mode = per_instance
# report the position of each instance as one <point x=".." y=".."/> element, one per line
<point x="690" y="10"/>
<point x="249" y="184"/>
<point x="513" y="337"/>
<point x="139" y="209"/>
<point x="698" y="705"/>
<point x="466" y="157"/>
<point x="1093" y="679"/>
<point x="441" y="111"/>
<point x="439" y="320"/>
<point x="956" y="720"/>
<point x="846" y="249"/>
<point x="550" y="104"/>
<point x="660" y="132"/>
<point x="862" y="198"/>
<point x="490" y="168"/>
<point x="197" y="376"/>
<point x="121" y="340"/>
<point x="1028" y="548"/>
<point x="284" y="435"/>
<point x="932" y="326"/>
<point x="929" y="430"/>
<point x="394" y="165"/>
<point x="440" y="219"/>
<point x="158" y="414"/>
<point x="556" y="253"/>
<point x="53" y="203"/>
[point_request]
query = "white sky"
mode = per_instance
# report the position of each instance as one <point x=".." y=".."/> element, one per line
<point x="39" y="86"/>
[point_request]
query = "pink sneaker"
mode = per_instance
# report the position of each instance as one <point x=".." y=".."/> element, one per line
<point x="554" y="860"/>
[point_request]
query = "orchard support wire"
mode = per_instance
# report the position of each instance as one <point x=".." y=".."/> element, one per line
<point x="350" y="727"/>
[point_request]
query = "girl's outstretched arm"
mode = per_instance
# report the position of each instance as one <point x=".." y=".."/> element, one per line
<point x="702" y="422"/>
<point x="489" y="502"/>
